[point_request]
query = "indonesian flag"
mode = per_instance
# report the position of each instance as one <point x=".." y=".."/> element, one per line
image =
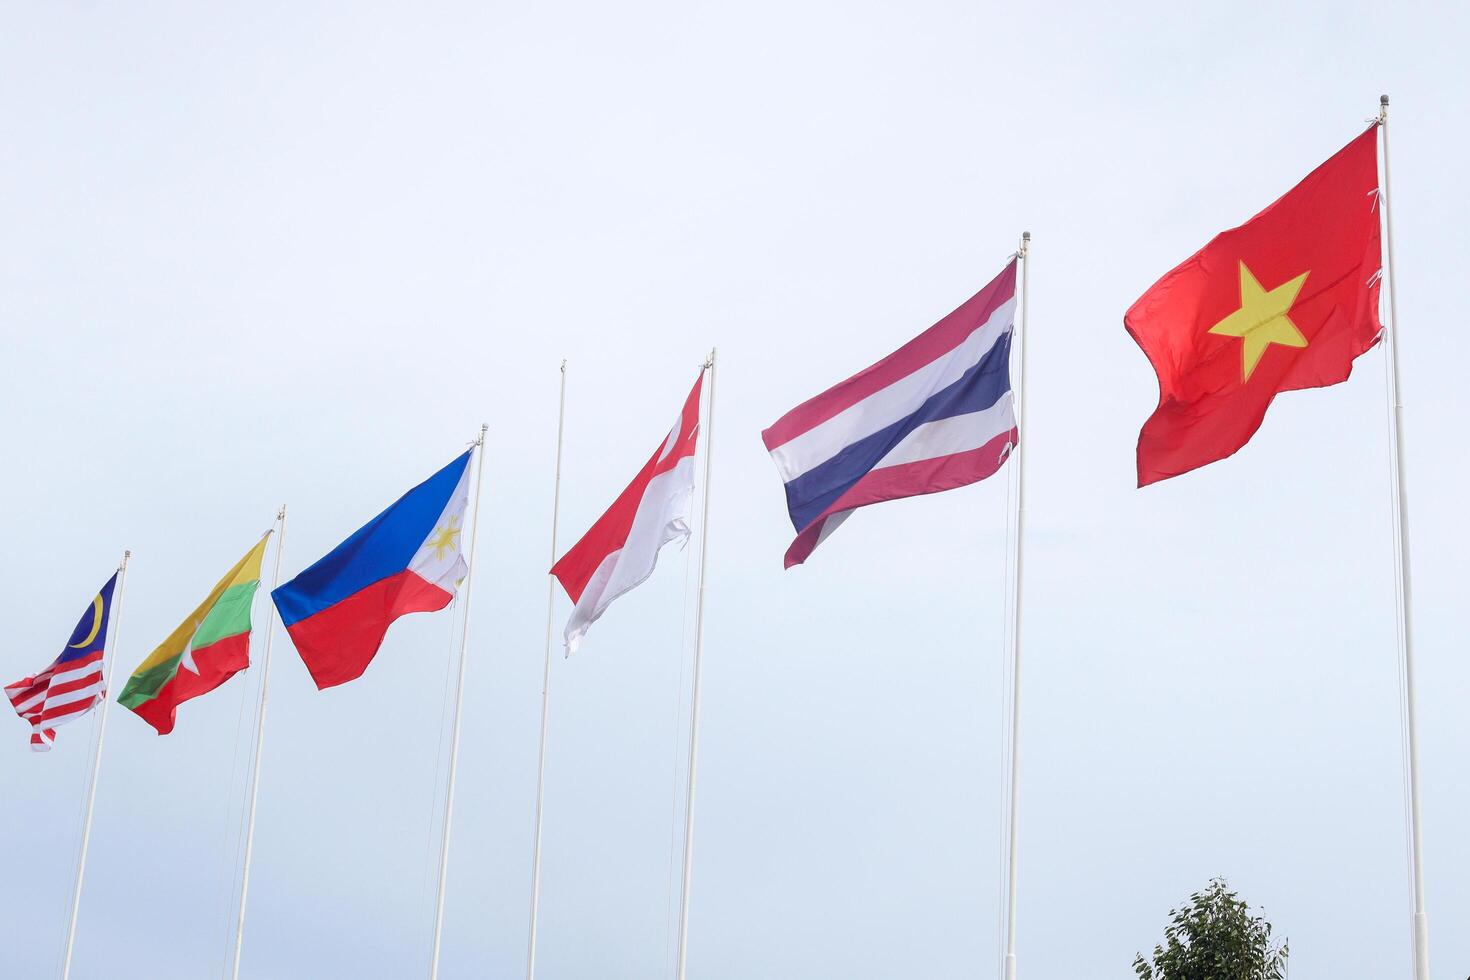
<point x="619" y="552"/>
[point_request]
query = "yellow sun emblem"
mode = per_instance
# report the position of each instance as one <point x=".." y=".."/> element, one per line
<point x="445" y="539"/>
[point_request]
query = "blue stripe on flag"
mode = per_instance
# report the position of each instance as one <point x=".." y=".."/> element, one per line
<point x="382" y="547"/>
<point x="978" y="388"/>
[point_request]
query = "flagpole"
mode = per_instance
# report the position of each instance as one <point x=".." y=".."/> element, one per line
<point x="265" y="680"/>
<point x="709" y="445"/>
<point x="464" y="642"/>
<point x="1015" y="761"/>
<point x="561" y="415"/>
<point x="76" y="897"/>
<point x="1405" y="586"/>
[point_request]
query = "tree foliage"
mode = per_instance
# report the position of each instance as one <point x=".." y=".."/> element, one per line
<point x="1215" y="937"/>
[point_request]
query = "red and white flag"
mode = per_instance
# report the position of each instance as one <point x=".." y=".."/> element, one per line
<point x="74" y="684"/>
<point x="619" y="552"/>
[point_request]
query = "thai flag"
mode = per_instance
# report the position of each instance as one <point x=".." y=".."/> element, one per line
<point x="934" y="415"/>
<point x="408" y="559"/>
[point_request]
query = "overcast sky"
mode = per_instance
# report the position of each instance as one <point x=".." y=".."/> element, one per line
<point x="298" y="252"/>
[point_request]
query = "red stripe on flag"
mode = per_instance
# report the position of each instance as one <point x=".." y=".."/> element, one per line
<point x="217" y="663"/>
<point x="61" y="711"/>
<point x="927" y="347"/>
<point x="57" y="690"/>
<point x="908" y="480"/>
<point x="338" y="643"/>
<point x="610" y="532"/>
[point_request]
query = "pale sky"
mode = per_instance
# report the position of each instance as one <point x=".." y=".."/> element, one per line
<point x="298" y="252"/>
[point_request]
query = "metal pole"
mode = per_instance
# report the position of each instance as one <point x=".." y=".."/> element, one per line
<point x="265" y="680"/>
<point x="1405" y="585"/>
<point x="561" y="415"/>
<point x="76" y="897"/>
<point x="1023" y="255"/>
<point x="709" y="446"/>
<point x="464" y="641"/>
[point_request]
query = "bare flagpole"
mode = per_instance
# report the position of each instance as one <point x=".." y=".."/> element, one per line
<point x="265" y="680"/>
<point x="76" y="895"/>
<point x="1405" y="589"/>
<point x="561" y="416"/>
<point x="464" y="641"/>
<point x="1023" y="255"/>
<point x="709" y="446"/>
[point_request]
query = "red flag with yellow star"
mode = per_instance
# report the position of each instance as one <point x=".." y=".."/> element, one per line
<point x="1285" y="301"/>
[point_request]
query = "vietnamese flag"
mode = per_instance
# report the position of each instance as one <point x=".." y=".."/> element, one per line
<point x="1285" y="301"/>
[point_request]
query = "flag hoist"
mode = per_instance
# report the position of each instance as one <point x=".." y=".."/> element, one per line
<point x="464" y="640"/>
<point x="1023" y="256"/>
<point x="265" y="680"/>
<point x="709" y="446"/>
<point x="76" y="895"/>
<point x="620" y="552"/>
<point x="561" y="418"/>
<point x="1403" y="583"/>
<point x="1296" y="290"/>
<point x="937" y="414"/>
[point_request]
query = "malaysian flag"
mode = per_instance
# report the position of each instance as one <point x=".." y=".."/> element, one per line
<point x="934" y="415"/>
<point x="73" y="684"/>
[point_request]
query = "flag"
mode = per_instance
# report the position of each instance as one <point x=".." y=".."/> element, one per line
<point x="934" y="415"/>
<point x="208" y="648"/>
<point x="74" y="682"/>
<point x="1285" y="301"/>
<point x="619" y="552"/>
<point x="405" y="560"/>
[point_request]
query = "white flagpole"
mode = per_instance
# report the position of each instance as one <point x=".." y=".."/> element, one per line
<point x="709" y="446"/>
<point x="1405" y="591"/>
<point x="464" y="642"/>
<point x="265" y="680"/>
<point x="1015" y="761"/>
<point x="561" y="416"/>
<point x="76" y="895"/>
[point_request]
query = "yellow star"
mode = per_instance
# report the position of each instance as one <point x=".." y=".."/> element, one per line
<point x="1262" y="319"/>
<point x="444" y="539"/>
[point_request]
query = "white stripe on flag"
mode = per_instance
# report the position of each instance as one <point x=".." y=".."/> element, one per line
<point x="888" y="405"/>
<point x="38" y="698"/>
<point x="77" y="673"/>
<point x="71" y="697"/>
<point x="662" y="516"/>
<point x="957" y="434"/>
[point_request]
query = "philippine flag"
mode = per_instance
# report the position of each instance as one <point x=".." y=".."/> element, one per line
<point x="934" y="415"/>
<point x="619" y="552"/>
<point x="405" y="560"/>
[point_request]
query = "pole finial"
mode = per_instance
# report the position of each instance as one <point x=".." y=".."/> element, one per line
<point x="281" y="514"/>
<point x="1383" y="100"/>
<point x="1025" y="236"/>
<point x="563" y="365"/>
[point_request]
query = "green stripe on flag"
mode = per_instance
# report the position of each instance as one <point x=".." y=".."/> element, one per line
<point x="145" y="686"/>
<point x="230" y="616"/>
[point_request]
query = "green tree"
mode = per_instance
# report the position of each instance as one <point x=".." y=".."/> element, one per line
<point x="1215" y="937"/>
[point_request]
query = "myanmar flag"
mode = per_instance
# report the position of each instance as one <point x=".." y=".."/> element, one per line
<point x="208" y="648"/>
<point x="1286" y="301"/>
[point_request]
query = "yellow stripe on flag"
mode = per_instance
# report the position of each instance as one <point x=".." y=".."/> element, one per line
<point x="247" y="569"/>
